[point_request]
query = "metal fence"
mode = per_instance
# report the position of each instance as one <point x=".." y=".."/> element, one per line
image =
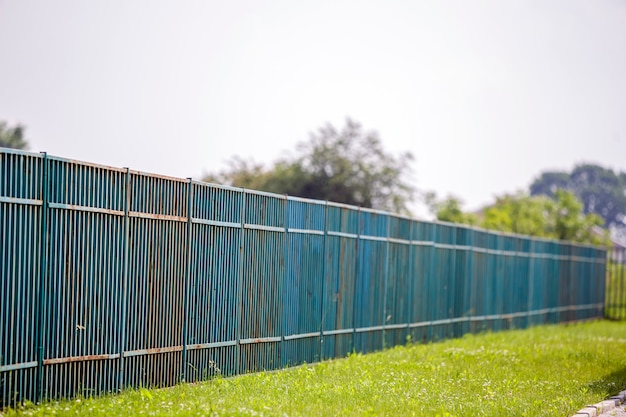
<point x="112" y="278"/>
<point x="615" y="307"/>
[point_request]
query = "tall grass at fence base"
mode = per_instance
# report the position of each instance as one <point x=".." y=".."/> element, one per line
<point x="542" y="371"/>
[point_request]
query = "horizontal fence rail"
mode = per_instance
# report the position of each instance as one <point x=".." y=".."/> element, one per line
<point x="113" y="278"/>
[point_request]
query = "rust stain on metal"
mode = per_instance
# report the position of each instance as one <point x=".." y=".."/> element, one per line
<point x="152" y="351"/>
<point x="72" y="359"/>
<point x="155" y="216"/>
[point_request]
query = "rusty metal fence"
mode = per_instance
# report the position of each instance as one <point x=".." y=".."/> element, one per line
<point x="111" y="278"/>
<point x="615" y="307"/>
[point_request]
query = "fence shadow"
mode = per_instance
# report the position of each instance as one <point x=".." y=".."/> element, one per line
<point x="608" y="385"/>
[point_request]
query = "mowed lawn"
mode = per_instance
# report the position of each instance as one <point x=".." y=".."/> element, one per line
<point x="542" y="371"/>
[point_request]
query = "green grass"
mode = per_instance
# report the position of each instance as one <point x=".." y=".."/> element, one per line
<point x="543" y="371"/>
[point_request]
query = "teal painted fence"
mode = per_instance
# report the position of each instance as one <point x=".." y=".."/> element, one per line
<point x="112" y="278"/>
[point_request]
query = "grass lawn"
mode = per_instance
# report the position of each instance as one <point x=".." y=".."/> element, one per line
<point x="543" y="371"/>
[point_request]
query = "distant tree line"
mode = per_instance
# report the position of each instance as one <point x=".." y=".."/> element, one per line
<point x="601" y="190"/>
<point x="560" y="217"/>
<point x="347" y="165"/>
<point x="350" y="165"/>
<point x="581" y="205"/>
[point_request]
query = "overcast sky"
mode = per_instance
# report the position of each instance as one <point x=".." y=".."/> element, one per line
<point x="485" y="94"/>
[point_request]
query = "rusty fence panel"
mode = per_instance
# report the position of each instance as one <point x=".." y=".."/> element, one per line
<point x="303" y="281"/>
<point x="81" y="290"/>
<point x="21" y="209"/>
<point x="113" y="278"/>
<point x="340" y="262"/>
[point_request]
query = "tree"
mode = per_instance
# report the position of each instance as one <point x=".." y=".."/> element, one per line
<point x="601" y="190"/>
<point x="347" y="166"/>
<point x="449" y="210"/>
<point x="520" y="214"/>
<point x="570" y="222"/>
<point x="12" y="137"/>
<point x="561" y="219"/>
<point x="549" y="182"/>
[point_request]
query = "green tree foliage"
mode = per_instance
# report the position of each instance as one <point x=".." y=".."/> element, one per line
<point x="347" y="166"/>
<point x="571" y="223"/>
<point x="12" y="137"/>
<point x="449" y="210"/>
<point x="562" y="218"/>
<point x="601" y="190"/>
<point x="519" y="214"/>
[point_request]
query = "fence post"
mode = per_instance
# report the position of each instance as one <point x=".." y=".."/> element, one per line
<point x="554" y="272"/>
<point x="615" y="284"/>
<point x="607" y="282"/>
<point x="452" y="287"/>
<point x="621" y="279"/>
<point x="515" y="281"/>
<point x="491" y="287"/>
<point x="470" y="295"/>
<point x="386" y="279"/>
<point x="242" y="215"/>
<point x="531" y="280"/>
<point x="431" y="307"/>
<point x="281" y="291"/>
<point x="569" y="269"/>
<point x="43" y="275"/>
<point x="612" y="278"/>
<point x="125" y="249"/>
<point x="323" y="295"/>
<point x="519" y="279"/>
<point x="183" y="371"/>
<point x="591" y="283"/>
<point x="356" y="277"/>
<point x="411" y="285"/>
<point x="616" y="287"/>
<point x="499" y="282"/>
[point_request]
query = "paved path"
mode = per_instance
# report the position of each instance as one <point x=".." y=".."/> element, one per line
<point x="615" y="407"/>
<point x="619" y="411"/>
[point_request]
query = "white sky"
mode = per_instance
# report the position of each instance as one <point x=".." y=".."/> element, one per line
<point x="486" y="94"/>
